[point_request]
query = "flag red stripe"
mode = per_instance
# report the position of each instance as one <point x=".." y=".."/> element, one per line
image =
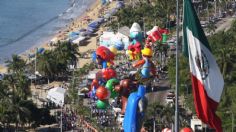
<point x="205" y="106"/>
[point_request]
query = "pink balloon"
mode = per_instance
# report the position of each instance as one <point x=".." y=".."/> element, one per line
<point x="166" y="130"/>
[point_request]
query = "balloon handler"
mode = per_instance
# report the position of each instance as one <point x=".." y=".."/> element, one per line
<point x="148" y="69"/>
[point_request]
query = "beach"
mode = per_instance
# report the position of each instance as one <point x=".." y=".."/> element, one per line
<point x="92" y="12"/>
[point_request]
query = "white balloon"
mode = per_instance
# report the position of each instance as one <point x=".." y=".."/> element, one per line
<point x="135" y="28"/>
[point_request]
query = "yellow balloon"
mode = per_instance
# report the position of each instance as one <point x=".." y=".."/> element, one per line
<point x="108" y="64"/>
<point x="113" y="50"/>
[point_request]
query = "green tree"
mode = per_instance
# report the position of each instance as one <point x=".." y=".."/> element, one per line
<point x="16" y="65"/>
<point x="47" y="64"/>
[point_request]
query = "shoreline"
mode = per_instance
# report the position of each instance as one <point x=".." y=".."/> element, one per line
<point x="77" y="23"/>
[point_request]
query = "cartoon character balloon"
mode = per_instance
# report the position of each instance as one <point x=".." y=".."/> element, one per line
<point x="148" y="66"/>
<point x="136" y="33"/>
<point x="156" y="34"/>
<point x="104" y="55"/>
<point x="125" y="87"/>
<point x="110" y="85"/>
<point x="135" y="47"/>
<point x="134" y="51"/>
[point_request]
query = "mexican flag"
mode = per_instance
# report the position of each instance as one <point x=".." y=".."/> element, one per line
<point x="207" y="81"/>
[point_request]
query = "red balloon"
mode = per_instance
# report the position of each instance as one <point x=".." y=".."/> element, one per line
<point x="186" y="129"/>
<point x="108" y="73"/>
<point x="94" y="84"/>
<point x="105" y="53"/>
<point x="102" y="93"/>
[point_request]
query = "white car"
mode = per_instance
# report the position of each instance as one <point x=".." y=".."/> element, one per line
<point x="169" y="100"/>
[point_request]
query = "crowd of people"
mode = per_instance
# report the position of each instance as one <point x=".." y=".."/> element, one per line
<point x="69" y="119"/>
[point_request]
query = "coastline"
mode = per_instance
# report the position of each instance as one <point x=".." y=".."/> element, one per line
<point x="92" y="12"/>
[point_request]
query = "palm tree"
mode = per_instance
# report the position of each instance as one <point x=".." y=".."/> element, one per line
<point x="16" y="64"/>
<point x="67" y="53"/>
<point x="224" y="50"/>
<point x="47" y="64"/>
<point x="13" y="95"/>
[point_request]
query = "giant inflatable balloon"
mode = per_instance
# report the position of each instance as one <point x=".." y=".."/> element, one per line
<point x="119" y="45"/>
<point x="102" y="104"/>
<point x="124" y="89"/>
<point x="110" y="85"/>
<point x="108" y="73"/>
<point x="134" y="113"/>
<point x="136" y="33"/>
<point x="104" y="55"/>
<point x="102" y="93"/>
<point x="113" y="49"/>
<point x="157" y="34"/>
<point x="134" y="51"/>
<point x="166" y="130"/>
<point x="147" y="65"/>
<point x="186" y="129"/>
<point x="135" y="47"/>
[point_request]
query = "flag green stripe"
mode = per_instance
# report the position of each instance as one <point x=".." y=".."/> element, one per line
<point x="192" y="22"/>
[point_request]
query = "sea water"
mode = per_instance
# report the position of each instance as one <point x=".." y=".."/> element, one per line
<point x="28" y="23"/>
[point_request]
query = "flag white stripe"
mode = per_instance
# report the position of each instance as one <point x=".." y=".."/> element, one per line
<point x="214" y="82"/>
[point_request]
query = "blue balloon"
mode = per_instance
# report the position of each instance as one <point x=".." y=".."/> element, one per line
<point x="119" y="45"/>
<point x="93" y="92"/>
<point x="137" y="36"/>
<point x="132" y="115"/>
<point x="94" y="56"/>
<point x="145" y="73"/>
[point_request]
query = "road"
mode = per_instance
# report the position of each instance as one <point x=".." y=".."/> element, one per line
<point x="224" y="24"/>
<point x="159" y="93"/>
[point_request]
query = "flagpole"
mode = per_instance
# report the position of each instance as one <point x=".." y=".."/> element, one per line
<point x="177" y="70"/>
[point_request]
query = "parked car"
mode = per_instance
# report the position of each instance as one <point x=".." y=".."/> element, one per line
<point x="169" y="100"/>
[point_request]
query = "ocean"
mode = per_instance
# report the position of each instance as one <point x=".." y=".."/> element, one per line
<point x="25" y="24"/>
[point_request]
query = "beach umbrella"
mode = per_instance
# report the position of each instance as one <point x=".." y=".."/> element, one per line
<point x="93" y="24"/>
<point x="108" y="15"/>
<point x="120" y="4"/>
<point x="78" y="40"/>
<point x="100" y="20"/>
<point x="87" y="33"/>
<point x="90" y="29"/>
<point x="82" y="30"/>
<point x="113" y="11"/>
<point x="40" y="50"/>
<point x="73" y="35"/>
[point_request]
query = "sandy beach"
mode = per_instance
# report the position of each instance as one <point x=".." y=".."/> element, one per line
<point x="92" y="13"/>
